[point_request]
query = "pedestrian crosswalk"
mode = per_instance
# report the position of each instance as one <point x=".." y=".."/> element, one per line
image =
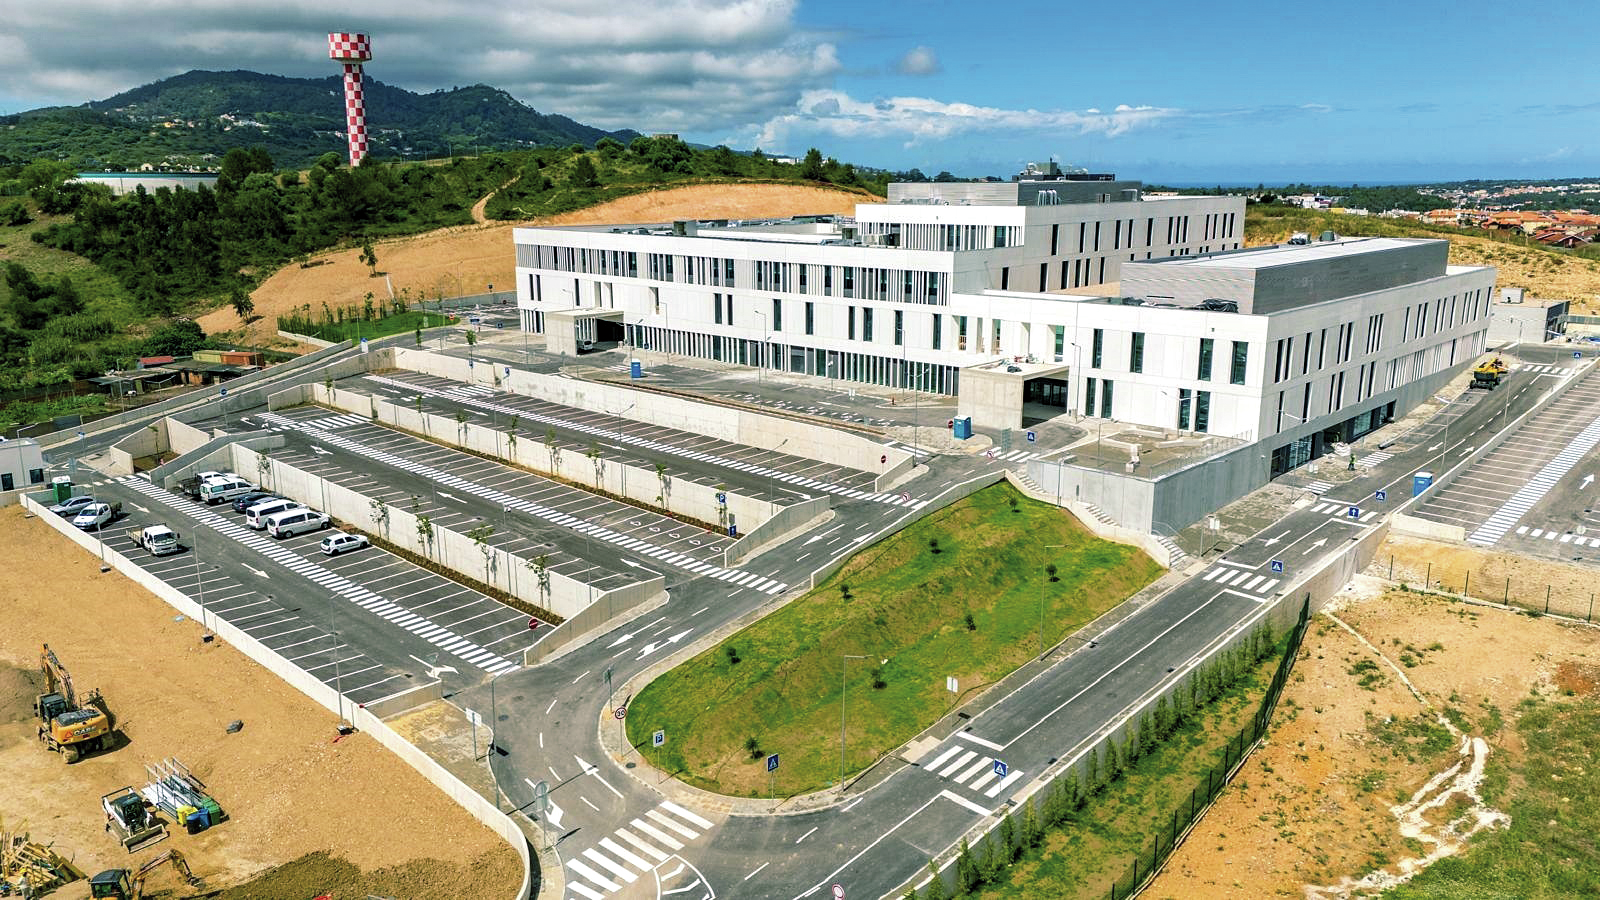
<point x="510" y="501"/>
<point x="632" y="851"/>
<point x="331" y="422"/>
<point x="1373" y="459"/>
<point x="965" y="765"/>
<point x="1242" y="579"/>
<point x="1502" y="519"/>
<point x="1015" y="456"/>
<point x="1564" y="537"/>
<point x="1558" y="371"/>
<point x="1320" y="487"/>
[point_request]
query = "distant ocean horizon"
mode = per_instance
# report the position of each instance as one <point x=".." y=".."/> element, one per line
<point x="1376" y="182"/>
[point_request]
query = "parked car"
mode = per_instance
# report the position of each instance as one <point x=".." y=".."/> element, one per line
<point x="240" y="504"/>
<point x="191" y="485"/>
<point x="70" y="507"/>
<point x="97" y="515"/>
<point x="256" y="516"/>
<point x="338" y="542"/>
<point x="296" y="521"/>
<point x="221" y="490"/>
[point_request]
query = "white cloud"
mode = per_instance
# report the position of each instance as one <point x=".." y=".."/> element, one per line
<point x="673" y="65"/>
<point x="919" y="61"/>
<point x="918" y="119"/>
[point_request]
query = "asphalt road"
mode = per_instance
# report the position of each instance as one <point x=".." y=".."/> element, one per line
<point x="875" y="837"/>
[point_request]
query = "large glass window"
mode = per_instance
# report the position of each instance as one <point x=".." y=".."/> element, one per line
<point x="811" y="315"/>
<point x="866" y="322"/>
<point x="1088" y="396"/>
<point x="899" y="328"/>
<point x="1097" y="348"/>
<point x="1136" y="353"/>
<point x="1061" y="341"/>
<point x="938" y="331"/>
<point x="1105" y="398"/>
<point x="777" y="314"/>
<point x="1202" y="410"/>
<point x="1185" y="402"/>
<point x="1203" y="371"/>
<point x="1241" y="357"/>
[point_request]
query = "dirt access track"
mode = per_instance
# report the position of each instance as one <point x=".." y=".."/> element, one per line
<point x="342" y="817"/>
<point x="1325" y="807"/>
<point x="466" y="260"/>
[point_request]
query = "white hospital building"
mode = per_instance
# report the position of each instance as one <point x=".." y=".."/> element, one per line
<point x="1033" y="298"/>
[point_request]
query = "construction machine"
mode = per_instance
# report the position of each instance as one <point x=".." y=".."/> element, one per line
<point x="69" y="724"/>
<point x="1487" y="376"/>
<point x="135" y="825"/>
<point x="122" y="884"/>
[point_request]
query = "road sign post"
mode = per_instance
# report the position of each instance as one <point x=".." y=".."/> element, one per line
<point x="1355" y="512"/>
<point x="659" y="738"/>
<point x="838" y="891"/>
<point x="1033" y="436"/>
<point x="1001" y="769"/>
<point x="1277" y="566"/>
<point x="1381" y="496"/>
<point x="772" y="766"/>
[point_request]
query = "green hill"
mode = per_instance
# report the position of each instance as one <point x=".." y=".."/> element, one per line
<point x="196" y="117"/>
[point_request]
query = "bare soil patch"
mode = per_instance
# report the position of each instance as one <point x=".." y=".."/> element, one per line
<point x="290" y="788"/>
<point x="466" y="260"/>
<point x="1487" y="574"/>
<point x="1315" y="804"/>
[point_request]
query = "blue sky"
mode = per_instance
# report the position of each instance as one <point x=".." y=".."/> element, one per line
<point x="1163" y="91"/>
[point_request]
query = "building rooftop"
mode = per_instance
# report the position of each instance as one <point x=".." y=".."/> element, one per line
<point x="1292" y="254"/>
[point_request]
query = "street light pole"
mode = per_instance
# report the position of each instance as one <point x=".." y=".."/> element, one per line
<point x="1041" y="596"/>
<point x="844" y="662"/>
<point x="762" y="364"/>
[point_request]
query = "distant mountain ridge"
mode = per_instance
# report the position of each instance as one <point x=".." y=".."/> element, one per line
<point x="187" y="118"/>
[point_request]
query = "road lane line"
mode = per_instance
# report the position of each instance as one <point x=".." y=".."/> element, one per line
<point x="757" y="869"/>
<point x="806" y="835"/>
<point x="966" y="736"/>
<point x="685" y="814"/>
<point x="962" y="801"/>
<point x="595" y="771"/>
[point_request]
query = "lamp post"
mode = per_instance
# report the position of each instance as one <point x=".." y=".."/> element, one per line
<point x="618" y="427"/>
<point x="844" y="662"/>
<point x="763" y="363"/>
<point x="1042" y="579"/>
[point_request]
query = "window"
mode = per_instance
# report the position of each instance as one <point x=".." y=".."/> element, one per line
<point x="999" y="235"/>
<point x="1005" y="278"/>
<point x="851" y="330"/>
<point x="1185" y="401"/>
<point x="803" y="269"/>
<point x="1241" y="358"/>
<point x="1044" y="277"/>
<point x="827" y="280"/>
<point x="1055" y="237"/>
<point x="866" y="323"/>
<point x="1202" y="410"/>
<point x="777" y="314"/>
<point x="899" y="328"/>
<point x="1097" y="349"/>
<point x="849" y="281"/>
<point x="1105" y="398"/>
<point x="729" y="300"/>
<point x="811" y="316"/>
<point x="716" y="308"/>
<point x="727" y="270"/>
<point x="7" y="482"/>
<point x="1136" y="353"/>
<point x="1203" y="371"/>
<point x="938" y="331"/>
<point x="961" y="332"/>
<point x="1061" y="341"/>
<point x="1088" y="396"/>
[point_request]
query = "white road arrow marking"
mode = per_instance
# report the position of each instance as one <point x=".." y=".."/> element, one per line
<point x="144" y="510"/>
<point x="1434" y="447"/>
<point x="1587" y="480"/>
<point x="256" y="570"/>
<point x="319" y="451"/>
<point x="1319" y="542"/>
<point x="447" y="496"/>
<point x="621" y="640"/>
<point x="433" y="670"/>
<point x="1273" y="540"/>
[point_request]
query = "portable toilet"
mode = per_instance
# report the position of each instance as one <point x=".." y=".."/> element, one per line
<point x="963" y="428"/>
<point x="1420" y="482"/>
<point x="62" y="485"/>
<point x="635" y="369"/>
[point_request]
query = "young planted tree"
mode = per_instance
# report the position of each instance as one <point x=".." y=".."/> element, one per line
<point x="662" y="480"/>
<point x="461" y="426"/>
<point x="511" y="435"/>
<point x="369" y="259"/>
<point x="541" y="570"/>
<point x="599" y="464"/>
<point x="379" y="512"/>
<point x="242" y="305"/>
<point x="472" y="341"/>
<point x="480" y="539"/>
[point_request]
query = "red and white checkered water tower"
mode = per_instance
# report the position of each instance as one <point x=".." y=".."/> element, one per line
<point x="352" y="50"/>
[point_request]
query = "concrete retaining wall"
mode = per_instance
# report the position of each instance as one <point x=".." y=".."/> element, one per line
<point x="724" y="423"/>
<point x="149" y="441"/>
<point x="515" y="575"/>
<point x="183" y="438"/>
<point x="1438" y="531"/>
<point x="304" y="339"/>
<point x="776" y="529"/>
<point x="484" y="810"/>
<point x="950" y="495"/>
<point x="1146" y="542"/>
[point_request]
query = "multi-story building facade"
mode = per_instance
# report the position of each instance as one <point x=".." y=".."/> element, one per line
<point x="1090" y="293"/>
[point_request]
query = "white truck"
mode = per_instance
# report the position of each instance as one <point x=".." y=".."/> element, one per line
<point x="157" y="540"/>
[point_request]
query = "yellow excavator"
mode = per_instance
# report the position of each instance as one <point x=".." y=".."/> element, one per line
<point x="122" y="884"/>
<point x="68" y="724"/>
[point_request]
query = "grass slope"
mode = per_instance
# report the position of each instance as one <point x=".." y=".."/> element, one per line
<point x="778" y="681"/>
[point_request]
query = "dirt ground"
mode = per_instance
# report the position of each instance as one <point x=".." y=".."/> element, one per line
<point x="1488" y="575"/>
<point x="1337" y="792"/>
<point x="291" y="790"/>
<point x="466" y="260"/>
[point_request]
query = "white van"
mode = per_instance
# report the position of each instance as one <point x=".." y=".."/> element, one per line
<point x="296" y="521"/>
<point x="256" y="516"/>
<point x="225" y="488"/>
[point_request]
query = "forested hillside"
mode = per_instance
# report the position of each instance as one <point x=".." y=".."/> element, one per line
<point x="196" y="117"/>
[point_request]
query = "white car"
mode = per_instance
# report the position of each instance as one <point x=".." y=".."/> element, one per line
<point x="97" y="515"/>
<point x="339" y="542"/>
<point x="72" y="506"/>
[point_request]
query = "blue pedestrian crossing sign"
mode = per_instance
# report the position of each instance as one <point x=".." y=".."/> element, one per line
<point x="772" y="762"/>
<point x="1277" y="565"/>
<point x="659" y="738"/>
<point x="1033" y="436"/>
<point x="1000" y="768"/>
<point x="1380" y="496"/>
<point x="1355" y="512"/>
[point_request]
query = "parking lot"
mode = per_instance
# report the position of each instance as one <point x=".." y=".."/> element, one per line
<point x="365" y="621"/>
<point x="588" y="537"/>
<point x="765" y="474"/>
<point x="1532" y="493"/>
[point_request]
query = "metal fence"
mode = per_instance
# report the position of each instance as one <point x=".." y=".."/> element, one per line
<point x="1186" y="814"/>
<point x="1524" y="593"/>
